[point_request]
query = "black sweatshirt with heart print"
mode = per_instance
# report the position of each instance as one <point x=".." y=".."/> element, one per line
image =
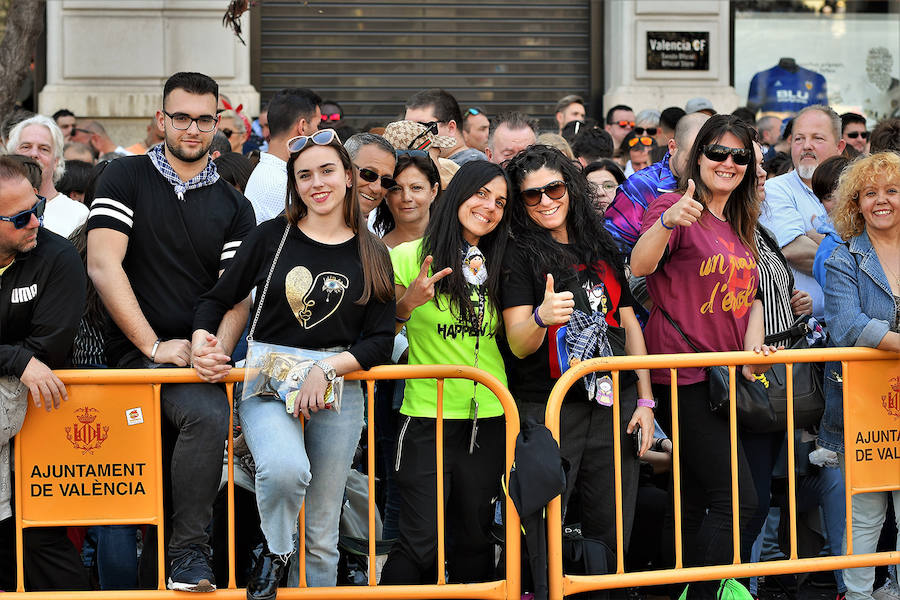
<point x="312" y="296"/>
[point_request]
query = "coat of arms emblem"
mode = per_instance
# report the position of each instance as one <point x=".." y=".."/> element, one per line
<point x="86" y="434"/>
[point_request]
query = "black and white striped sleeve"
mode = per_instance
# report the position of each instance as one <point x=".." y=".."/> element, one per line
<point x="113" y="207"/>
<point x="243" y="222"/>
<point x="228" y="251"/>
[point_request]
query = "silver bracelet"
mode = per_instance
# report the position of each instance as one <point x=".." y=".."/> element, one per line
<point x="155" y="348"/>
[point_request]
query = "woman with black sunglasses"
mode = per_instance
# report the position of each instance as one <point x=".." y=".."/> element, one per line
<point x="565" y="299"/>
<point x="325" y="283"/>
<point x="698" y="251"/>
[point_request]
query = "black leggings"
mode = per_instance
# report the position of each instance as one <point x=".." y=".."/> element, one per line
<point x="471" y="482"/>
<point x="706" y="485"/>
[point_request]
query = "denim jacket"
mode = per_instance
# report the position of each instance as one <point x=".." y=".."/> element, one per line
<point x="859" y="311"/>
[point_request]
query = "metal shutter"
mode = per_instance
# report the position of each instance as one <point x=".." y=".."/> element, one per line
<point x="371" y="56"/>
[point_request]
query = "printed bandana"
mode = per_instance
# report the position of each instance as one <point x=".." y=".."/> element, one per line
<point x="207" y="176"/>
<point x="586" y="338"/>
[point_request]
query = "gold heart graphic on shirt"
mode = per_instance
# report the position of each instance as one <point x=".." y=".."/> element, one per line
<point x="305" y="295"/>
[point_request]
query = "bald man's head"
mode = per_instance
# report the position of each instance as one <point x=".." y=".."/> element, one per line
<point x="685" y="133"/>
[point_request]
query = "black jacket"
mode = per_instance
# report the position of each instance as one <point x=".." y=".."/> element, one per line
<point x="42" y="297"/>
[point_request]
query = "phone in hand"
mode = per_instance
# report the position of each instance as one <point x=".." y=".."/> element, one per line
<point x="636" y="441"/>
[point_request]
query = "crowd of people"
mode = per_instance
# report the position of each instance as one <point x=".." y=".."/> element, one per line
<point x="452" y="237"/>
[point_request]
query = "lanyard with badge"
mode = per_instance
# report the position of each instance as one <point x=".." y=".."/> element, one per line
<point x="475" y="274"/>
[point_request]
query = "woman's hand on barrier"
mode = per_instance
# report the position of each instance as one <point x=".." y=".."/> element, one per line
<point x="175" y="352"/>
<point x="312" y="393"/>
<point x="421" y="290"/>
<point x="208" y="359"/>
<point x="686" y="211"/>
<point x="43" y="383"/>
<point x="801" y="303"/>
<point x="751" y="371"/>
<point x="557" y="307"/>
<point x="643" y="417"/>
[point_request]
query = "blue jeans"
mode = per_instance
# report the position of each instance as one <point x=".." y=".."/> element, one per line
<point x="117" y="564"/>
<point x="293" y="463"/>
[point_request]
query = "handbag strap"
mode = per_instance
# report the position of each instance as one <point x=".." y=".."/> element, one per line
<point x="262" y="297"/>
<point x="677" y="328"/>
<point x="799" y="329"/>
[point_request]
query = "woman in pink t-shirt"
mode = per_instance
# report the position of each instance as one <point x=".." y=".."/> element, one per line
<point x="698" y="251"/>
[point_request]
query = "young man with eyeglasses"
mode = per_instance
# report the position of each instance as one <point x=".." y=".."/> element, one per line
<point x="162" y="228"/>
<point x="41" y="302"/>
<point x="291" y="112"/>
<point x="439" y="110"/>
<point x="39" y="137"/>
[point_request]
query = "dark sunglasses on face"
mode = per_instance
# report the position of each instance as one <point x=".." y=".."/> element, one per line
<point x="647" y="130"/>
<point x="371" y="176"/>
<point x="226" y="132"/>
<point x="332" y="117"/>
<point x="182" y="122"/>
<point x="719" y="153"/>
<point x="323" y="137"/>
<point x="643" y="141"/>
<point x="431" y="126"/>
<point x="855" y="134"/>
<point x="554" y="190"/>
<point x="628" y="124"/>
<point x="22" y="219"/>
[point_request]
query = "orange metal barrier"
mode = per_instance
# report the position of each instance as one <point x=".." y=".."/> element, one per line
<point x="870" y="375"/>
<point x="105" y="443"/>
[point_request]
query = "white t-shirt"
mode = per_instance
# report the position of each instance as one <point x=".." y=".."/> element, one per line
<point x="64" y="215"/>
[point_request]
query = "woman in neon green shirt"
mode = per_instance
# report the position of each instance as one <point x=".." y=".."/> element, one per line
<point x="448" y="297"/>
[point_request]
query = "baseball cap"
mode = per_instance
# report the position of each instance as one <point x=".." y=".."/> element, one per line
<point x="401" y="134"/>
<point x="699" y="104"/>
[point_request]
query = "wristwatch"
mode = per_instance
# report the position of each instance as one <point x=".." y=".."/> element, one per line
<point x="329" y="371"/>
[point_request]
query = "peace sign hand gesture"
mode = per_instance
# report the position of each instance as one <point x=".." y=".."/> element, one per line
<point x="421" y="290"/>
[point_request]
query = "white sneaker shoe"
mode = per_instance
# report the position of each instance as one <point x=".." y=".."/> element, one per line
<point x="888" y="591"/>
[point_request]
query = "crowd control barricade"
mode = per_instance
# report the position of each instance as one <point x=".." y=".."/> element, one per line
<point x="97" y="460"/>
<point x="871" y="403"/>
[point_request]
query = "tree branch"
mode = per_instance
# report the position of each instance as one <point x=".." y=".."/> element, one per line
<point x="24" y="23"/>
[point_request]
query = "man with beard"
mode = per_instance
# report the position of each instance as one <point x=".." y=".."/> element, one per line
<point x="161" y="230"/>
<point x="791" y="206"/>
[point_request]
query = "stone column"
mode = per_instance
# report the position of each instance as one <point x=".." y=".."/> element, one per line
<point x="628" y="79"/>
<point x="109" y="59"/>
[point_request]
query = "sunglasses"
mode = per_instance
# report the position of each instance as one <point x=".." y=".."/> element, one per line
<point x="629" y="124"/>
<point x="22" y="219"/>
<point x="719" y="153"/>
<point x="642" y="140"/>
<point x="79" y="130"/>
<point x="474" y="111"/>
<point x="371" y="176"/>
<point x="226" y="132"/>
<point x="554" y="190"/>
<point x="855" y="134"/>
<point x="331" y="117"/>
<point x="647" y="130"/>
<point x="323" y="137"/>
<point x="414" y="153"/>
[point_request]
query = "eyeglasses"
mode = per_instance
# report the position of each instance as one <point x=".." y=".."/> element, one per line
<point x="554" y="190"/>
<point x="855" y="134"/>
<point x="607" y="186"/>
<point x="226" y="132"/>
<point x="371" y="176"/>
<point x="323" y="137"/>
<point x="414" y="153"/>
<point x="647" y="130"/>
<point x="642" y="140"/>
<point x="331" y="117"/>
<point x="181" y="121"/>
<point x="628" y="124"/>
<point x="719" y="153"/>
<point x="22" y="219"/>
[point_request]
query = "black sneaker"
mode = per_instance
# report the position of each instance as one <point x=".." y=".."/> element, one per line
<point x="191" y="572"/>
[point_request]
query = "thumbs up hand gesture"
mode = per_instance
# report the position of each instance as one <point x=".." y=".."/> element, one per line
<point x="685" y="212"/>
<point x="556" y="309"/>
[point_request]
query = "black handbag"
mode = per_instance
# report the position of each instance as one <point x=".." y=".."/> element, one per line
<point x="809" y="395"/>
<point x="754" y="410"/>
